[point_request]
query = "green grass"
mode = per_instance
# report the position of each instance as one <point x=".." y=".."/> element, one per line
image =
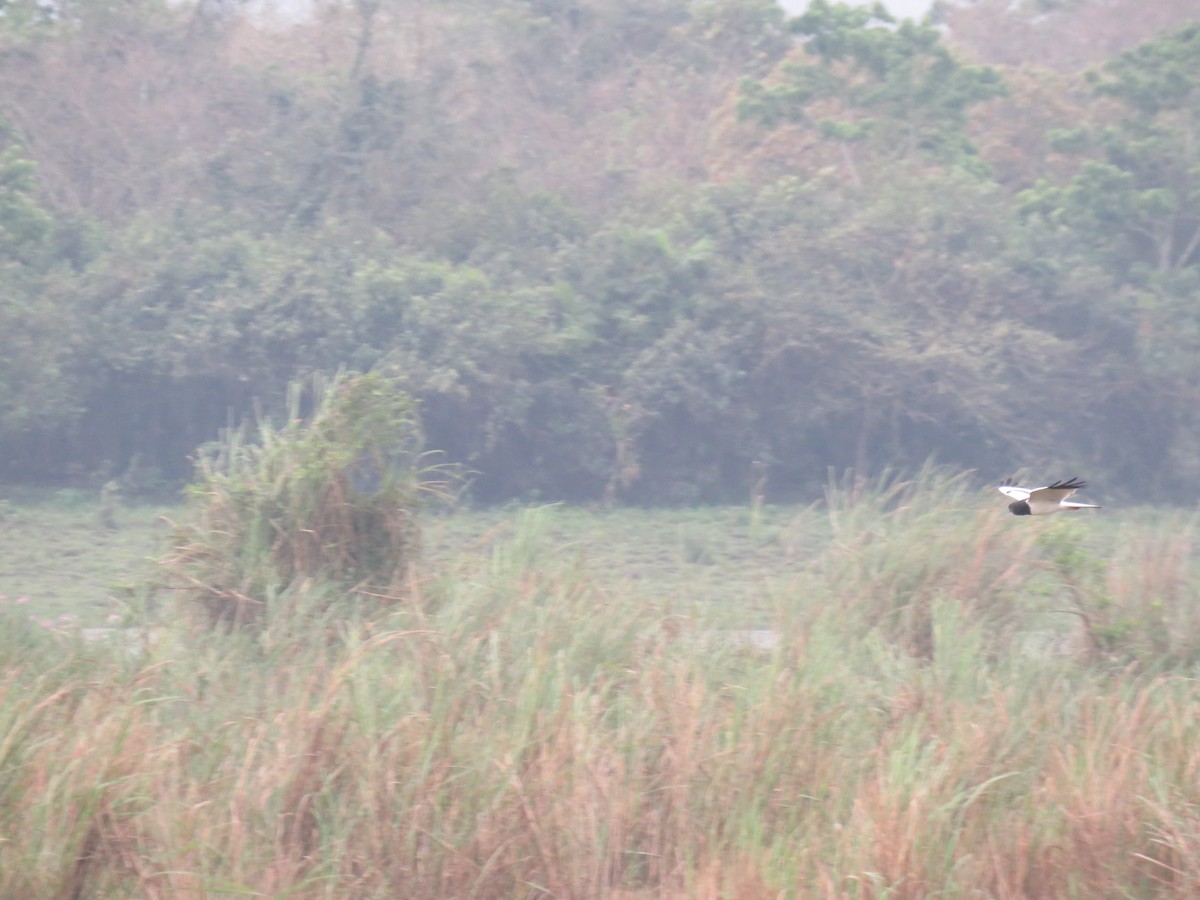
<point x="56" y="553"/>
<point x="717" y="555"/>
<point x="960" y="703"/>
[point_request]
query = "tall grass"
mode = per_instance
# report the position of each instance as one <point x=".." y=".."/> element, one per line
<point x="330" y="497"/>
<point x="515" y="729"/>
<point x="903" y="546"/>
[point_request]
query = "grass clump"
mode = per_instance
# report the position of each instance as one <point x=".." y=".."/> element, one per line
<point x="329" y="500"/>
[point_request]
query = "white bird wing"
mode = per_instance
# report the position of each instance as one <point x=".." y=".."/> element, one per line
<point x="1013" y="491"/>
<point x="1049" y="498"/>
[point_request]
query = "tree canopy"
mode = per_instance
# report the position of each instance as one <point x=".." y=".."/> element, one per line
<point x="644" y="251"/>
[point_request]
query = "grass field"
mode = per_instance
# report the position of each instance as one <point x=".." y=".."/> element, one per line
<point x="958" y="703"/>
<point x="56" y="553"/>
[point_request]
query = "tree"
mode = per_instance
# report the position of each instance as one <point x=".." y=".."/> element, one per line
<point x="895" y="89"/>
<point x="1135" y="202"/>
<point x="35" y="343"/>
<point x="1133" y="211"/>
<point x="1064" y="35"/>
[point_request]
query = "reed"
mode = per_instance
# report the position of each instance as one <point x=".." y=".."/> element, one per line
<point x="521" y="726"/>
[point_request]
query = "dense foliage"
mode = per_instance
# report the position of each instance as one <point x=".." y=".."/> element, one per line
<point x="618" y="249"/>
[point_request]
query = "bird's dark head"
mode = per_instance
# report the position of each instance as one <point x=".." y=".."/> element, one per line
<point x="1019" y="508"/>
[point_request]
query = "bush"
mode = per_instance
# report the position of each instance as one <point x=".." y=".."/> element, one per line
<point x="328" y="499"/>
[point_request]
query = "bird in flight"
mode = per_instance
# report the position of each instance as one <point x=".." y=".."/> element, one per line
<point x="1042" y="501"/>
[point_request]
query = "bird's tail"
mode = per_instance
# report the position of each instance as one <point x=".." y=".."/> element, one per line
<point x="1072" y="504"/>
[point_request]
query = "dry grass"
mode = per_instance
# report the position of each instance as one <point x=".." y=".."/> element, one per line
<point x="330" y="497"/>
<point x="524" y="726"/>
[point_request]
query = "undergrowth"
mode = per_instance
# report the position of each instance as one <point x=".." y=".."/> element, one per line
<point x="931" y="719"/>
<point x="324" y="505"/>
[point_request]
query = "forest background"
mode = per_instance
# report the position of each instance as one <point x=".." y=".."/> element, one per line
<point x="644" y="250"/>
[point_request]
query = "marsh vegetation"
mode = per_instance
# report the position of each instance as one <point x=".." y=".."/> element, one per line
<point x="555" y="702"/>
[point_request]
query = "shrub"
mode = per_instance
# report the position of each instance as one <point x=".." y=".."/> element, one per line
<point x="328" y="499"/>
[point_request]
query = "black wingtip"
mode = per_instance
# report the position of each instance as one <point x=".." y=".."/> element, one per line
<point x="1073" y="484"/>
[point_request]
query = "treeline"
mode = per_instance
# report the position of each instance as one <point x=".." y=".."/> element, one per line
<point x="645" y="250"/>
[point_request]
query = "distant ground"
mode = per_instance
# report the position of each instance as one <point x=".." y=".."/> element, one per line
<point x="59" y="562"/>
<point x="64" y="567"/>
<point x="729" y="554"/>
